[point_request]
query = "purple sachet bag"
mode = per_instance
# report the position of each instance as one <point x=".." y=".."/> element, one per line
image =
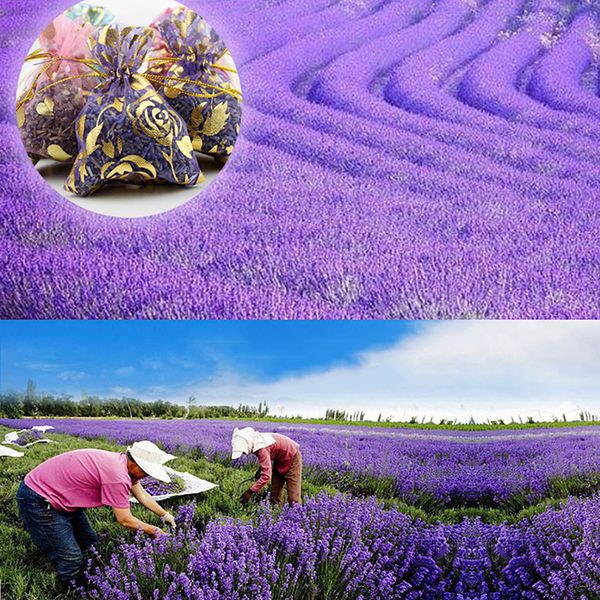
<point x="127" y="132"/>
<point x="200" y="81"/>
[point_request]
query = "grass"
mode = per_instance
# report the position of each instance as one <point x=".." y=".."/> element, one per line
<point x="25" y="575"/>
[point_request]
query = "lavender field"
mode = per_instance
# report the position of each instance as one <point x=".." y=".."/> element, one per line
<point x="527" y="502"/>
<point x="414" y="159"/>
<point x="424" y="467"/>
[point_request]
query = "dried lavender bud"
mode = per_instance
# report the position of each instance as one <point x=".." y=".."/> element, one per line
<point x="159" y="488"/>
<point x="57" y="90"/>
<point x="208" y="101"/>
<point x="47" y="125"/>
<point x="127" y="132"/>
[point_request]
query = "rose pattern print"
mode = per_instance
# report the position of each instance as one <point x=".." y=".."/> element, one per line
<point x="199" y="79"/>
<point x="127" y="132"/>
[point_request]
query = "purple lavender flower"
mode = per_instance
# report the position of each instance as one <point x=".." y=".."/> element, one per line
<point x="409" y="159"/>
<point x="339" y="547"/>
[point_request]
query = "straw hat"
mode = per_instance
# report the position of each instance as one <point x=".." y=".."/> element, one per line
<point x="150" y="458"/>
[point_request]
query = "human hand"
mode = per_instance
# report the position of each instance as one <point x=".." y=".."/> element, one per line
<point x="246" y="496"/>
<point x="169" y="519"/>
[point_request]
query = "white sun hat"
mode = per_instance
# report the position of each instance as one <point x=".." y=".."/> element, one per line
<point x="248" y="440"/>
<point x="150" y="458"/>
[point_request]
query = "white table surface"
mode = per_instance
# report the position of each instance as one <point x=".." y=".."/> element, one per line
<point x="129" y="201"/>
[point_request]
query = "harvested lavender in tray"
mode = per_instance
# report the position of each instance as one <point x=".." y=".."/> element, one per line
<point x="209" y="99"/>
<point x="28" y="436"/>
<point x="127" y="132"/>
<point x="159" y="488"/>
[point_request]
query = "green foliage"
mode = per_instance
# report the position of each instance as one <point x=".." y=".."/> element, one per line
<point x="342" y="415"/>
<point x="30" y="404"/>
<point x="11" y="408"/>
<point x="413" y="423"/>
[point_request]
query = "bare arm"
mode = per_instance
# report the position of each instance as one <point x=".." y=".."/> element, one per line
<point x="146" y="500"/>
<point x="125" y="518"/>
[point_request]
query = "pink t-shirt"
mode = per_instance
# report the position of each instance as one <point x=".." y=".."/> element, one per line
<point x="83" y="479"/>
<point x="281" y="453"/>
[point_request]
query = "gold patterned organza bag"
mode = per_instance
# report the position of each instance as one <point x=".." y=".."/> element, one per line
<point x="127" y="132"/>
<point x="56" y="90"/>
<point x="193" y="65"/>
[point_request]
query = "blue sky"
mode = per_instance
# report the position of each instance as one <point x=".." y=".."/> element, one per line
<point x="101" y="356"/>
<point x="452" y="369"/>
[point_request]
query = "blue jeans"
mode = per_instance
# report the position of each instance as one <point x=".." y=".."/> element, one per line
<point x="63" y="536"/>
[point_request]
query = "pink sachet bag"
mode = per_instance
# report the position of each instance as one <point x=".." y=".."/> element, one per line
<point x="57" y="90"/>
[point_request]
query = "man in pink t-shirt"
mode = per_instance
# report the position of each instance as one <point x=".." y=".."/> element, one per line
<point x="280" y="463"/>
<point x="53" y="497"/>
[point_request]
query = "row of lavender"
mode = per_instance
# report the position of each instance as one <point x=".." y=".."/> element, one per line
<point x="454" y="468"/>
<point x="416" y="159"/>
<point x="340" y="548"/>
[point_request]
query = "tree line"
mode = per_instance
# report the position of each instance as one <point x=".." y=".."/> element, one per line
<point x="32" y="403"/>
<point x="14" y="405"/>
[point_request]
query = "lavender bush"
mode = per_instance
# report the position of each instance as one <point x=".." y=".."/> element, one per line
<point x="409" y="159"/>
<point x="341" y="548"/>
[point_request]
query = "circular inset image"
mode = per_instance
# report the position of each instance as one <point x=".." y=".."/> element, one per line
<point x="127" y="113"/>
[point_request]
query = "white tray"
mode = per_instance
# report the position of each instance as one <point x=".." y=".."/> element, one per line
<point x="193" y="485"/>
<point x="10" y="438"/>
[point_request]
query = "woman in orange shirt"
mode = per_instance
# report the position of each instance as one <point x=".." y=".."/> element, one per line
<point x="280" y="462"/>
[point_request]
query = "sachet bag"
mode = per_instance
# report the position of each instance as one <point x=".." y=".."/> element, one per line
<point x="56" y="91"/>
<point x="89" y="13"/>
<point x="127" y="132"/>
<point x="195" y="69"/>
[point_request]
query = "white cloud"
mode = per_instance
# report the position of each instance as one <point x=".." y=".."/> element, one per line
<point x="180" y="361"/>
<point x="153" y="364"/>
<point x="157" y="389"/>
<point x="122" y="391"/>
<point x="124" y="371"/>
<point x="72" y="375"/>
<point x="453" y="369"/>
<point x="39" y="366"/>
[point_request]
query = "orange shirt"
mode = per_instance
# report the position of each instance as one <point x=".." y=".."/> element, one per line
<point x="280" y="454"/>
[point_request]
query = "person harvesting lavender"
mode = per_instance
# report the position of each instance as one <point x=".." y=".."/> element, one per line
<point x="53" y="497"/>
<point x="280" y="462"/>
